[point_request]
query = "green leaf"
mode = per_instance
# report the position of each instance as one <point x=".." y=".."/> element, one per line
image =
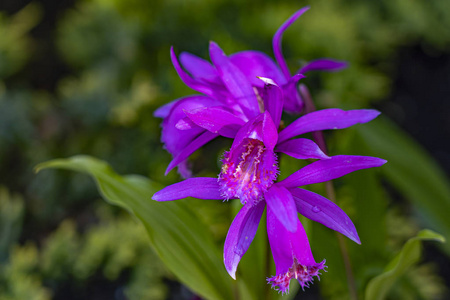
<point x="412" y="171"/>
<point x="183" y="243"/>
<point x="379" y="286"/>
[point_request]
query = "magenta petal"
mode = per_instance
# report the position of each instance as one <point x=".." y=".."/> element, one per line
<point x="174" y="139"/>
<point x="293" y="102"/>
<point x="163" y="111"/>
<point x="332" y="118"/>
<point x="276" y="42"/>
<point x="301" y="149"/>
<point x="280" y="201"/>
<point x="273" y="99"/>
<point x="269" y="131"/>
<point x="195" y="84"/>
<point x="251" y="129"/>
<point x="199" y="68"/>
<point x="329" y="169"/>
<point x="287" y="245"/>
<point x="200" y="187"/>
<point x="235" y="81"/>
<point x="184" y="169"/>
<point x="323" y="64"/>
<point x="216" y="120"/>
<point x="250" y="167"/>
<point x="201" y="140"/>
<point x="322" y="210"/>
<point x="185" y="124"/>
<point x="259" y="128"/>
<point x="254" y="64"/>
<point x="240" y="235"/>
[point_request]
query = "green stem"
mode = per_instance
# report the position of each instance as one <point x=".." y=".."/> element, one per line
<point x="268" y="263"/>
<point x="343" y="247"/>
<point x="331" y="194"/>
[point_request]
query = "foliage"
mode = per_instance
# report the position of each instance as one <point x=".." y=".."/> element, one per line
<point x="112" y="248"/>
<point x="11" y="215"/>
<point x="379" y="286"/>
<point x="116" y="71"/>
<point x="15" y="43"/>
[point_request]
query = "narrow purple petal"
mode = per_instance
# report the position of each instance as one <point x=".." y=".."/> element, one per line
<point x="199" y="187"/>
<point x="322" y="210"/>
<point x="301" y="149"/>
<point x="260" y="128"/>
<point x="332" y="118"/>
<point x="329" y="169"/>
<point x="293" y="102"/>
<point x="273" y="99"/>
<point x="201" y="140"/>
<point x="199" y="68"/>
<point x="269" y="131"/>
<point x="281" y="203"/>
<point x="251" y="129"/>
<point x="235" y="81"/>
<point x="163" y="111"/>
<point x="287" y="245"/>
<point x="240" y="235"/>
<point x="323" y="64"/>
<point x="174" y="139"/>
<point x="202" y="87"/>
<point x="254" y="64"/>
<point x="276" y="42"/>
<point x="185" y="124"/>
<point x="216" y="120"/>
<point x="184" y="169"/>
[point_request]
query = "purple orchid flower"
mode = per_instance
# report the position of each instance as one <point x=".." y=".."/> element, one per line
<point x="231" y="86"/>
<point x="226" y="92"/>
<point x="255" y="64"/>
<point x="191" y="122"/>
<point x="249" y="172"/>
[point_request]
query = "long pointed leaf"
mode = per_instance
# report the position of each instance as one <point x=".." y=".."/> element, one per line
<point x="412" y="171"/>
<point x="379" y="286"/>
<point x="183" y="243"/>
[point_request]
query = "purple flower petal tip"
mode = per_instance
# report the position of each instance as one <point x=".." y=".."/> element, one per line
<point x="297" y="14"/>
<point x="199" y="187"/>
<point x="231" y="269"/>
<point x="276" y="41"/>
<point x="240" y="235"/>
<point x="297" y="77"/>
<point x="374" y="161"/>
<point x="213" y="46"/>
<point x="267" y="81"/>
<point x="324" y="64"/>
<point x="370" y="115"/>
<point x="302" y="149"/>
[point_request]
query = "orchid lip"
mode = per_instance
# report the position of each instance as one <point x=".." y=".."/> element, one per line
<point x="248" y="170"/>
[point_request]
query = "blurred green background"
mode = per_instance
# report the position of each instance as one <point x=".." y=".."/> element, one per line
<point x="84" y="77"/>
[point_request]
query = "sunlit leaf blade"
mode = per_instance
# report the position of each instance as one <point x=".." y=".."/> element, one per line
<point x="412" y="171"/>
<point x="183" y="243"/>
<point x="379" y="286"/>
